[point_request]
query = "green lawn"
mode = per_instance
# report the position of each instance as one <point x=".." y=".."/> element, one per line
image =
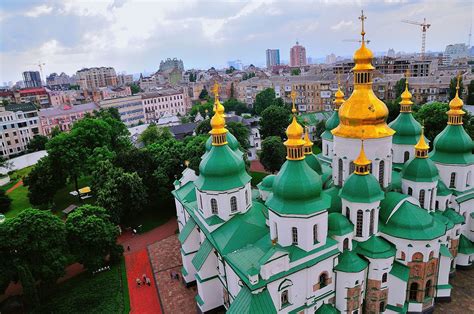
<point x="257" y="177"/>
<point x="63" y="199"/>
<point x="106" y="292"/>
<point x="20" y="201"/>
<point x="154" y="216"/>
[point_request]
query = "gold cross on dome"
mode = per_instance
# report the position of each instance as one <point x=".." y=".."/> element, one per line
<point x="215" y="89"/>
<point x="362" y="17"/>
<point x="293" y="98"/>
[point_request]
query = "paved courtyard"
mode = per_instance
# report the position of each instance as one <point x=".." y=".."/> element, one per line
<point x="462" y="294"/>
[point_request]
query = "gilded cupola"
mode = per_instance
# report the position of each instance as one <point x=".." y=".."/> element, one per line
<point x="294" y="144"/>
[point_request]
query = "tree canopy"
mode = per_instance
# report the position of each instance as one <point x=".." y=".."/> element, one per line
<point x="273" y="153"/>
<point x="204" y="94"/>
<point x="241" y="133"/>
<point x="265" y="99"/>
<point x="153" y="133"/>
<point x="470" y="94"/>
<point x="236" y="106"/>
<point x="5" y="202"/>
<point x="274" y="121"/>
<point x="452" y="87"/>
<point x="37" y="143"/>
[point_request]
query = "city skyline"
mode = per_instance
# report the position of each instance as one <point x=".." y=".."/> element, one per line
<point x="134" y="36"/>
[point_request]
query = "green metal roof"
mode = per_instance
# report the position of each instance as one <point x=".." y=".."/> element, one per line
<point x="231" y="141"/>
<point x="375" y="247"/>
<point x="408" y="130"/>
<point x="214" y="220"/>
<point x="199" y="300"/>
<point x="21" y="107"/>
<point x="396" y="183"/>
<point x="221" y="169"/>
<point x="465" y="197"/>
<point x="388" y="204"/>
<point x="327" y="309"/>
<point x="297" y="190"/>
<point x="442" y="218"/>
<point x="453" y="146"/>
<point x="398" y="309"/>
<point x="361" y="189"/>
<point x="250" y="303"/>
<point x="442" y="189"/>
<point x="443" y="250"/>
<point x="202" y="254"/>
<point x="339" y="225"/>
<point x="336" y="203"/>
<point x="350" y="262"/>
<point x="186" y="192"/>
<point x="267" y="183"/>
<point x="314" y="163"/>
<point x="465" y="245"/>
<point x="420" y="170"/>
<point x="332" y="122"/>
<point x="454" y="216"/>
<point x="400" y="271"/>
<point x="186" y="231"/>
<point x="313" y="118"/>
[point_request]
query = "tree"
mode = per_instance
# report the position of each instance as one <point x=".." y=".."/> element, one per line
<point x="230" y="70"/>
<point x="204" y="94"/>
<point x="135" y="89"/>
<point x="153" y="134"/>
<point x="30" y="293"/>
<point x="434" y="118"/>
<point x="194" y="149"/>
<point x="204" y="127"/>
<point x="264" y="99"/>
<point x="93" y="237"/>
<point x="295" y="72"/>
<point x="37" y="143"/>
<point x="5" y="202"/>
<point x="55" y="131"/>
<point x="43" y="181"/>
<point x="400" y="87"/>
<point x="236" y="106"/>
<point x="232" y="92"/>
<point x="320" y="128"/>
<point x="452" y="87"/>
<point x="470" y="94"/>
<point x="273" y="153"/>
<point x="274" y="121"/>
<point x="202" y="108"/>
<point x="241" y="133"/>
<point x="393" y="109"/>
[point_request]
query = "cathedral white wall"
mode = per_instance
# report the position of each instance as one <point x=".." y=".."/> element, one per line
<point x="180" y="214"/>
<point x="340" y="241"/>
<point x="327" y="148"/>
<point x="443" y="270"/>
<point x="396" y="291"/>
<point x="416" y="187"/>
<point x="366" y="209"/>
<point x="232" y="281"/>
<point x="263" y="194"/>
<point x="188" y="175"/>
<point x="347" y="149"/>
<point x="464" y="175"/>
<point x="399" y="153"/>
<point x="188" y="265"/>
<point x="410" y="247"/>
<point x="443" y="201"/>
<point x="211" y="292"/>
<point x="346" y="281"/>
<point x="192" y="242"/>
<point x="378" y="267"/>
<point x="464" y="259"/>
<point x="466" y="209"/>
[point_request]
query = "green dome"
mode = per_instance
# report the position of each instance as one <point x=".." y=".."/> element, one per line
<point x="375" y="247"/>
<point x="350" y="262"/>
<point x="267" y="183"/>
<point x="331" y="123"/>
<point x="327" y="309"/>
<point x="339" y="225"/>
<point x="231" y="141"/>
<point x="361" y="189"/>
<point x="221" y="169"/>
<point x="408" y="130"/>
<point x="336" y="203"/>
<point x="453" y="146"/>
<point x="420" y="170"/>
<point x="313" y="162"/>
<point x="445" y="220"/>
<point x="297" y="190"/>
<point x="454" y="216"/>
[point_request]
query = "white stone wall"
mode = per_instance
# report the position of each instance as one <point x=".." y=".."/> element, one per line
<point x="410" y="247"/>
<point x="399" y="153"/>
<point x="327" y="149"/>
<point x="466" y="209"/>
<point x="340" y="241"/>
<point x="346" y="281"/>
<point x="416" y="187"/>
<point x="397" y="291"/>
<point x="366" y="209"/>
<point x="378" y="267"/>
<point x="464" y="175"/>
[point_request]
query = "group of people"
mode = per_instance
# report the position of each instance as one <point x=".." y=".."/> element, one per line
<point x="146" y="281"/>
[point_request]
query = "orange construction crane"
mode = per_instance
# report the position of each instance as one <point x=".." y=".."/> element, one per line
<point x="424" y="28"/>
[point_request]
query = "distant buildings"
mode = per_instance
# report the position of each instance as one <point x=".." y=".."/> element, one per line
<point x="96" y="77"/>
<point x="331" y="59"/>
<point x="32" y="79"/>
<point x="18" y="124"/>
<point x="63" y="117"/>
<point x="273" y="57"/>
<point x="170" y="64"/>
<point x="453" y="52"/>
<point x="237" y="64"/>
<point x="61" y="79"/>
<point x="297" y="55"/>
<point x="391" y="53"/>
<point x="124" y="79"/>
<point x="130" y="109"/>
<point x="37" y="95"/>
<point x="164" y="102"/>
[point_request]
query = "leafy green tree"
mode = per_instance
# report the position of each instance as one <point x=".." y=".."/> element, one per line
<point x="194" y="149"/>
<point x="230" y="70"/>
<point x="400" y="87"/>
<point x="135" y="89"/>
<point x="202" y="108"/>
<point x="434" y="118"/>
<point x="320" y="128"/>
<point x="93" y="237"/>
<point x="204" y="127"/>
<point x="37" y="143"/>
<point x="43" y="181"/>
<point x="55" y="131"/>
<point x="295" y="72"/>
<point x="264" y="99"/>
<point x="241" y="133"/>
<point x="236" y="106"/>
<point x="30" y="293"/>
<point x="204" y="94"/>
<point x="153" y="134"/>
<point x="470" y="94"/>
<point x="274" y="121"/>
<point x="74" y="87"/>
<point x="393" y="109"/>
<point x="452" y="87"/>
<point x="5" y="202"/>
<point x="273" y="153"/>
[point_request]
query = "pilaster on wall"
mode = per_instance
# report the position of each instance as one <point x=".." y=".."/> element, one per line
<point x="374" y="296"/>
<point x="354" y="298"/>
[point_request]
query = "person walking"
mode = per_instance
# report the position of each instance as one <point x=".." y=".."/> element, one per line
<point x="148" y="282"/>
<point x="139" y="282"/>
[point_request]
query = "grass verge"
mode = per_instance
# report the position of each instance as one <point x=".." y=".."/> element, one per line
<point x="257" y="177"/>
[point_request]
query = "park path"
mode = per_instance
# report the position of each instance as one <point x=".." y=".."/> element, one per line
<point x="256" y="165"/>
<point x="18" y="184"/>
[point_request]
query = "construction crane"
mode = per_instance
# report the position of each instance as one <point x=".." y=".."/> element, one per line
<point x="424" y="28"/>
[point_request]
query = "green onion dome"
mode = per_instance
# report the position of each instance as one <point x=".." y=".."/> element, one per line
<point x="407" y="129"/>
<point x="297" y="190"/>
<point x="231" y="141"/>
<point x="336" y="204"/>
<point x="339" y="225"/>
<point x="453" y="146"/>
<point x="267" y="183"/>
<point x="221" y="169"/>
<point x="375" y="247"/>
<point x="350" y="262"/>
<point x="361" y="189"/>
<point x="331" y="123"/>
<point x="314" y="163"/>
<point x="420" y="170"/>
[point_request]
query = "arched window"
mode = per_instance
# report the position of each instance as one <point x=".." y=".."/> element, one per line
<point x="406" y="156"/>
<point x="348" y="213"/>
<point x="327" y="149"/>
<point x="468" y="178"/>
<point x="417" y="257"/>
<point x="294" y="235"/>
<point x="246" y="197"/>
<point x="323" y="280"/>
<point x="233" y="204"/>
<point x="284" y="297"/>
<point x="372" y="217"/>
<point x="410" y="191"/>
<point x="339" y="172"/>
<point x="436" y="205"/>
<point x="315" y="234"/>
<point x="452" y="180"/>
<point x="351" y="167"/>
<point x="382" y="307"/>
<point x="214" y="208"/>
<point x="428" y="289"/>
<point x="381" y="172"/>
<point x="345" y="244"/>
<point x="413" y="291"/>
<point x="200" y="200"/>
<point x="403" y="256"/>
<point x="360" y="218"/>
<point x="384" y="277"/>
<point x="422" y="198"/>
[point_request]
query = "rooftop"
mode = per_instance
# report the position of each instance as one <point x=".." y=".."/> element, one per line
<point x="52" y="112"/>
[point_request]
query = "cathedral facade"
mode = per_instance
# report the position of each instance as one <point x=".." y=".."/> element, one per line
<point x="374" y="224"/>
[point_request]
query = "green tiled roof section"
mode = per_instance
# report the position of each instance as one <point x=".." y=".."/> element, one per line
<point x="407" y="129"/>
<point x="396" y="181"/>
<point x="465" y="245"/>
<point x="221" y="169"/>
<point x="361" y="189"/>
<point x="186" y="193"/>
<point x="400" y="271"/>
<point x="327" y="135"/>
<point x="442" y="189"/>
<point x="336" y="203"/>
<point x="453" y="146"/>
<point x="388" y="204"/>
<point x="327" y="309"/>
<point x="448" y="286"/>
<point x="184" y="271"/>
<point x="445" y="220"/>
<point x="375" y="247"/>
<point x="413" y="223"/>
<point x="214" y="220"/>
<point x="465" y="197"/>
<point x="339" y="225"/>
<point x="397" y="308"/>
<point x="297" y="190"/>
<point x="350" y="262"/>
<point x="314" y="163"/>
<point x="21" y="107"/>
<point x="443" y="249"/>
<point x="420" y="170"/>
<point x="313" y="118"/>
<point x="267" y="183"/>
<point x="248" y="303"/>
<point x="202" y="254"/>
<point x="199" y="300"/>
<point x="186" y="231"/>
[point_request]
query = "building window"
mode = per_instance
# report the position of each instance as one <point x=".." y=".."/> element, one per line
<point x="436" y="205"/>
<point x="381" y="172"/>
<point x="372" y="217"/>
<point x="410" y="191"/>
<point x="233" y="204"/>
<point x="402" y="256"/>
<point x="406" y="156"/>
<point x="351" y="167"/>
<point x="315" y="234"/>
<point x="428" y="289"/>
<point x="246" y="197"/>
<point x="422" y="198"/>
<point x="384" y="277"/>
<point x="323" y="280"/>
<point x="452" y="180"/>
<point x="382" y="307"/>
<point x="200" y="200"/>
<point x="468" y="179"/>
<point x="348" y="213"/>
<point x="345" y="244"/>
<point x="294" y="235"/>
<point x="339" y="172"/>
<point x="284" y="298"/>
<point x="413" y="291"/>
<point x="327" y="150"/>
<point x="360" y="218"/>
<point x="214" y="208"/>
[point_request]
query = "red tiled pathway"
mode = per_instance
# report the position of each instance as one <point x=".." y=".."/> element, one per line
<point x="19" y="183"/>
<point x="256" y="165"/>
<point x="141" y="241"/>
<point x="143" y="298"/>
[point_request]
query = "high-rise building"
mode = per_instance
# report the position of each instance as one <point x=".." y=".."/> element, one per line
<point x="331" y="59"/>
<point x="32" y="79"/>
<point x="170" y="64"/>
<point x="96" y="77"/>
<point x="273" y="57"/>
<point x="297" y="55"/>
<point x="455" y="51"/>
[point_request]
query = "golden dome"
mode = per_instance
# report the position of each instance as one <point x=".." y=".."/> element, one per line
<point x="421" y="148"/>
<point x="362" y="162"/>
<point x="455" y="112"/>
<point x="218" y="130"/>
<point x="339" y="98"/>
<point x="294" y="144"/>
<point x="308" y="145"/>
<point x="363" y="58"/>
<point x="406" y="103"/>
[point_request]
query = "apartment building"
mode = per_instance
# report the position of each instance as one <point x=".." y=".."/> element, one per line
<point x="96" y="77"/>
<point x="247" y="90"/>
<point x="164" y="102"/>
<point x="39" y="96"/>
<point x="124" y="79"/>
<point x="130" y="109"/>
<point x="63" y="117"/>
<point x="63" y="97"/>
<point x="272" y="57"/>
<point x="32" y="79"/>
<point x="18" y="124"/>
<point x="298" y="55"/>
<point x="388" y="65"/>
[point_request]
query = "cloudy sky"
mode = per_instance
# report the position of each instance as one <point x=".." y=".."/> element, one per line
<point x="133" y="36"/>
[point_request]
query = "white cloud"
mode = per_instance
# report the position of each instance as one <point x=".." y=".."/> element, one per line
<point x="342" y="25"/>
<point x="39" y="10"/>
